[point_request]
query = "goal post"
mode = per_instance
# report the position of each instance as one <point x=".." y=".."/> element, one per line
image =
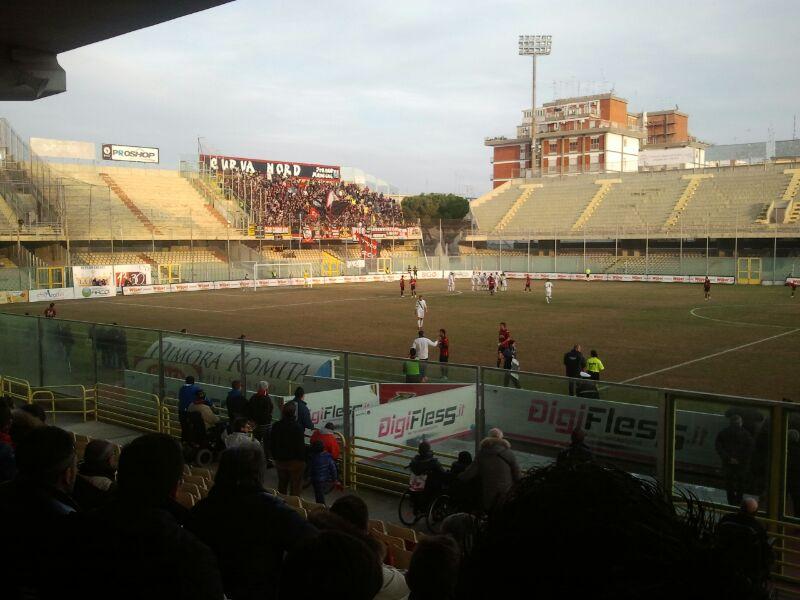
<point x="169" y="273"/>
<point x="282" y="270"/>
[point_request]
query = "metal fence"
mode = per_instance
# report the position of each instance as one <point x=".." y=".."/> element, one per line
<point x="662" y="434"/>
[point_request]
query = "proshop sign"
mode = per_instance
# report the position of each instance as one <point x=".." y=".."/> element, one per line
<point x="130" y="153"/>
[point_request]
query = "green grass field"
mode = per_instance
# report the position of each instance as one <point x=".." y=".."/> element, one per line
<point x="744" y="341"/>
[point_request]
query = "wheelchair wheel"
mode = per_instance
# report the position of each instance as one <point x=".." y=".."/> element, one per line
<point x="204" y="457"/>
<point x="405" y="510"/>
<point x="441" y="507"/>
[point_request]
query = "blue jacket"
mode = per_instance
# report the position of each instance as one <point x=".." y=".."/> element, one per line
<point x="303" y="414"/>
<point x="186" y="396"/>
<point x="323" y="467"/>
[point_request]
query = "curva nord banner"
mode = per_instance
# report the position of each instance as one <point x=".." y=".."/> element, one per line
<point x="270" y="168"/>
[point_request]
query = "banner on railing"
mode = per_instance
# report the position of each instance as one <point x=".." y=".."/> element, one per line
<point x="125" y="275"/>
<point x="13" y="297"/>
<point x="613" y="429"/>
<point x="269" y="168"/>
<point x="51" y="295"/>
<point x="623" y="277"/>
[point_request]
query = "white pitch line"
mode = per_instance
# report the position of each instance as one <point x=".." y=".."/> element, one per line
<point x="715" y="354"/>
<point x="745" y="323"/>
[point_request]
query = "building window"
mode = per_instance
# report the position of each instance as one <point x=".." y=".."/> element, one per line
<point x="595" y="143"/>
<point x="573" y="145"/>
<point x="553" y="147"/>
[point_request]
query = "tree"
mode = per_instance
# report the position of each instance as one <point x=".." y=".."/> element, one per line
<point x="432" y="207"/>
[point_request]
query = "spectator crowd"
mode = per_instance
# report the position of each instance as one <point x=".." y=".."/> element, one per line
<point x="333" y="204"/>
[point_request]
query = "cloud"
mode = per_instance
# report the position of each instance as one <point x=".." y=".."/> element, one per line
<point x="408" y="90"/>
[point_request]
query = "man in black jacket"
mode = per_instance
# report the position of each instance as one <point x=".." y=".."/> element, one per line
<point x="248" y="529"/>
<point x="137" y="548"/>
<point x="259" y="410"/>
<point x="287" y="444"/>
<point x="35" y="505"/>
<point x="574" y="363"/>
<point x="303" y="414"/>
<point x="735" y="447"/>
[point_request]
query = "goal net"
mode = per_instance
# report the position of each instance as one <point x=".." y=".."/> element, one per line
<point x="282" y="270"/>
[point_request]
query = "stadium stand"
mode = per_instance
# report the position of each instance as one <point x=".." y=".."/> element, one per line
<point x="661" y="202"/>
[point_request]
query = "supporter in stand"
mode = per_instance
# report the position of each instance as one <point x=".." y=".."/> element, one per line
<point x="289" y="451"/>
<point x="8" y="464"/>
<point x="35" y="505"/>
<point x="24" y="420"/>
<point x="495" y="467"/>
<point x="248" y="529"/>
<point x="344" y="564"/>
<point x="433" y="572"/>
<point x="303" y="414"/>
<point x="327" y="436"/>
<point x="235" y="401"/>
<point x="259" y="410"/>
<point x="134" y="545"/>
<point x="593" y="531"/>
<point x="96" y="475"/>
<point x="324" y="475"/>
<point x="577" y="451"/>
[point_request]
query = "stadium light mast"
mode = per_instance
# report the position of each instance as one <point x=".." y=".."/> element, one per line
<point x="533" y="46"/>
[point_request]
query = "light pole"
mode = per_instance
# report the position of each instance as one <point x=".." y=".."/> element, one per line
<point x="533" y="46"/>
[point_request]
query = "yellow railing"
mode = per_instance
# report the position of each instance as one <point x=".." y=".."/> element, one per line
<point x="18" y="389"/>
<point x="381" y="465"/>
<point x="129" y="408"/>
<point x="67" y="399"/>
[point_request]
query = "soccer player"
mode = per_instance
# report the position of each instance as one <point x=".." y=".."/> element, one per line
<point x="491" y="284"/>
<point x="503" y="340"/>
<point x="527" y="282"/>
<point x="421" y="309"/>
<point x="588" y="273"/>
<point x="413" y="283"/>
<point x="792" y="286"/>
<point x="483" y="280"/>
<point x="503" y="281"/>
<point x="444" y="352"/>
<point x="421" y="345"/>
<point x="451" y="282"/>
<point x="475" y="281"/>
<point x="548" y="290"/>
<point x="402" y="286"/>
<point x="707" y="288"/>
<point x="50" y="311"/>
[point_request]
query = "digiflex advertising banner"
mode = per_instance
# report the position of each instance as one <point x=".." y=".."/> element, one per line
<point x="139" y="154"/>
<point x="132" y="275"/>
<point x="93" y="282"/>
<point x="270" y="168"/>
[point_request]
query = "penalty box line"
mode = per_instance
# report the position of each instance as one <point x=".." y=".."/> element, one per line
<point x="714" y="355"/>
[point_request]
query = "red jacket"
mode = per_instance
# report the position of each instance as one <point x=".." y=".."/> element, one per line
<point x="328" y="441"/>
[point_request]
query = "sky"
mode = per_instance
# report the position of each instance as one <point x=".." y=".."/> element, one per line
<point x="407" y="91"/>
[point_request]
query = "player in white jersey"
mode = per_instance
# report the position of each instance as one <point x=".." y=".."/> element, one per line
<point x="475" y="281"/>
<point x="451" y="282"/>
<point x="503" y="281"/>
<point x="483" y="281"/>
<point x="548" y="290"/>
<point x="421" y="310"/>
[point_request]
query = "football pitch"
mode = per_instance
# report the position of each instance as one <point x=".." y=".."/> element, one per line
<point x="744" y="341"/>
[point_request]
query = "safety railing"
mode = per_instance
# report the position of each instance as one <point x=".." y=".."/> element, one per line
<point x="67" y="399"/>
<point x="128" y="408"/>
<point x="18" y="389"/>
<point x="381" y="465"/>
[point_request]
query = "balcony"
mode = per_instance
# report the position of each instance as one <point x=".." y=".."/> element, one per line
<point x="568" y="115"/>
<point x="598" y="124"/>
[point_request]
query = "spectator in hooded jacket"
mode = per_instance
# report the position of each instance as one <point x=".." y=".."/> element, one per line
<point x="496" y="468"/>
<point x="97" y="473"/>
<point x="289" y="451"/>
<point x="427" y="475"/>
<point x="327" y="436"/>
<point x="248" y="529"/>
<point x="323" y="471"/>
<point x="303" y="414"/>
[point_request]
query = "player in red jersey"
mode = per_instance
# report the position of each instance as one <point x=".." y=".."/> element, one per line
<point x="792" y="286"/>
<point x="707" y="288"/>
<point x="527" y="282"/>
<point x="402" y="285"/>
<point x="50" y="311"/>
<point x="503" y="340"/>
<point x="444" y="352"/>
<point x="491" y="285"/>
<point x="413" y="283"/>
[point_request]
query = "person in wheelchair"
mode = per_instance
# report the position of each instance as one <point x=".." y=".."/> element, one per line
<point x="427" y="477"/>
<point x="204" y="428"/>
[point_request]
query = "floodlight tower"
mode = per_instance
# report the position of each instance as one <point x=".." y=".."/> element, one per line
<point x="533" y="46"/>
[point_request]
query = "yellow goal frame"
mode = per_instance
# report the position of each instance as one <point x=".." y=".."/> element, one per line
<point x="51" y="277"/>
<point x="748" y="271"/>
<point x="384" y="265"/>
<point x="331" y="267"/>
<point x="170" y="273"/>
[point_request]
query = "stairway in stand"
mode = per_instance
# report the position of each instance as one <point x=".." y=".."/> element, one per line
<point x="120" y="193"/>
